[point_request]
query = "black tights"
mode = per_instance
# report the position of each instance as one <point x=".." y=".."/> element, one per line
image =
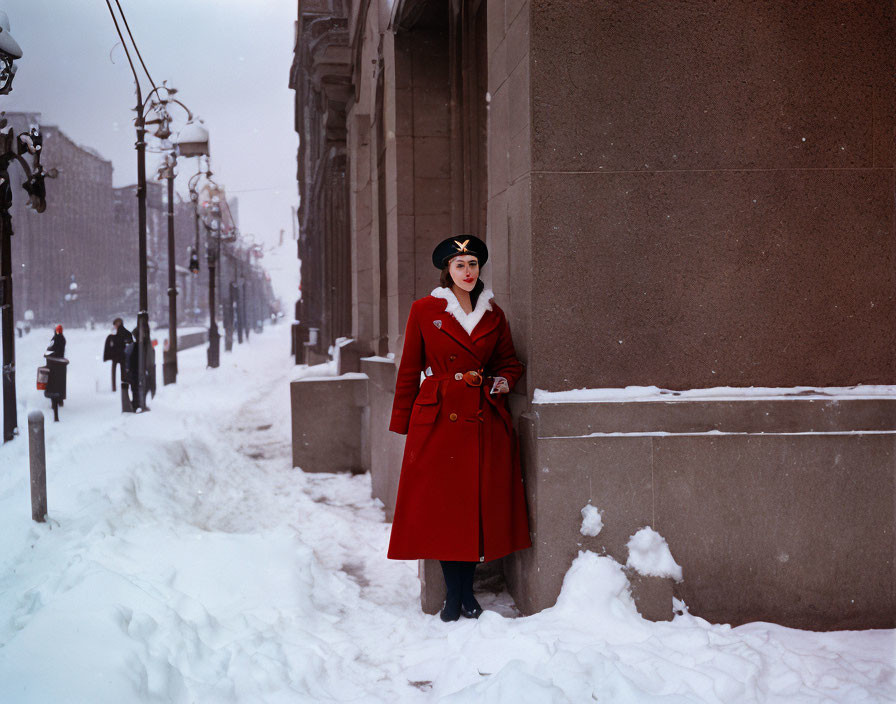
<point x="459" y="585"/>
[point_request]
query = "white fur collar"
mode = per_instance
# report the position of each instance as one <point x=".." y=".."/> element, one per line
<point x="467" y="321"/>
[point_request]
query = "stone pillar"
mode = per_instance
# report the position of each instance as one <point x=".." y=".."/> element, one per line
<point x="321" y="77"/>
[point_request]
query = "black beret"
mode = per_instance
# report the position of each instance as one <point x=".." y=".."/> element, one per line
<point x="459" y="244"/>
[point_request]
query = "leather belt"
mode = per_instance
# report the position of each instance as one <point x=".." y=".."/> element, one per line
<point x="471" y="378"/>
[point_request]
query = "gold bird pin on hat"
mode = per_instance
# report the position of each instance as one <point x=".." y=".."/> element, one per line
<point x="458" y="245"/>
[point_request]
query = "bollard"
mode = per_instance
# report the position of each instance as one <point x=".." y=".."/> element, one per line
<point x="38" y="459"/>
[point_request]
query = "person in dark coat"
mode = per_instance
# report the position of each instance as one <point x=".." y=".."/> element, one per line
<point x="57" y="344"/>
<point x="56" y="361"/>
<point x="460" y="496"/>
<point x="114" y="348"/>
<point x="131" y="364"/>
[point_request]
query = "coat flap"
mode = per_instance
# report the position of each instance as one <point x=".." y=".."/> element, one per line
<point x="428" y="394"/>
<point x="451" y="327"/>
<point x="489" y="323"/>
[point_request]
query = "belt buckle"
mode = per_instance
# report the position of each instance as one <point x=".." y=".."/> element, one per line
<point x="473" y="378"/>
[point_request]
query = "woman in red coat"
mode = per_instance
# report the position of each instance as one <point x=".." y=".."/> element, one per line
<point x="460" y="495"/>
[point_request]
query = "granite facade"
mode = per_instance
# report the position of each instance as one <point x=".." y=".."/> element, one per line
<point x="681" y="195"/>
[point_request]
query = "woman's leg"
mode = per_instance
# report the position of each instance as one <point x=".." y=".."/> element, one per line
<point x="470" y="608"/>
<point x="452" y="572"/>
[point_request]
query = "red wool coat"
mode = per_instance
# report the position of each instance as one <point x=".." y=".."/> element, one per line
<point x="460" y="495"/>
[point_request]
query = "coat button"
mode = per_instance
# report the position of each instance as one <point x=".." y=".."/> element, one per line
<point x="458" y="376"/>
<point x="452" y="417"/>
<point x="452" y="357"/>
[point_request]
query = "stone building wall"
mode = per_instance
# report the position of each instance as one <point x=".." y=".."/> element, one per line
<point x="675" y="195"/>
<point x="721" y="193"/>
<point x="711" y="209"/>
<point x="125" y="278"/>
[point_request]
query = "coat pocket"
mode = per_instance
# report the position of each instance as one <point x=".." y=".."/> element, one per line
<point x="426" y="405"/>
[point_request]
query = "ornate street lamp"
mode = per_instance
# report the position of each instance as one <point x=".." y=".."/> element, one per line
<point x="210" y="212"/>
<point x="14" y="148"/>
<point x="192" y="141"/>
<point x="9" y="52"/>
<point x="71" y="299"/>
<point x="213" y="354"/>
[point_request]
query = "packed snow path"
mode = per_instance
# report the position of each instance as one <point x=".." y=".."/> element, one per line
<point x="186" y="561"/>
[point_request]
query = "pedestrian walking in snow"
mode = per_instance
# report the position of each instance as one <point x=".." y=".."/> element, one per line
<point x="55" y="388"/>
<point x="460" y="496"/>
<point x="57" y="344"/>
<point x="114" y="348"/>
<point x="129" y="368"/>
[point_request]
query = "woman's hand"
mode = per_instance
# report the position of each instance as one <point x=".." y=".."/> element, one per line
<point x="500" y="386"/>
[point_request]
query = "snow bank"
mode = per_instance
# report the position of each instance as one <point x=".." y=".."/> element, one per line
<point x="649" y="554"/>
<point x="186" y="561"/>
<point x="592" y="524"/>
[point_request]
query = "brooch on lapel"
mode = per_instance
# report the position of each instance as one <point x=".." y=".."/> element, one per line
<point x="437" y="323"/>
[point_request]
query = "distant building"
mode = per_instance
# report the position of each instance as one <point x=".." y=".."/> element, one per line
<point x="126" y="238"/>
<point x="70" y="241"/>
<point x="88" y="236"/>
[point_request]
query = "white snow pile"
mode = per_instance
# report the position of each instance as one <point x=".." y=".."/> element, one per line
<point x="186" y="561"/>
<point x="649" y="554"/>
<point x="592" y="524"/>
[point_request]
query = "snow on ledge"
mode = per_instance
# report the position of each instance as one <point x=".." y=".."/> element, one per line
<point x="719" y="393"/>
<point x="333" y="377"/>
<point x="378" y="358"/>
<point x="304" y="371"/>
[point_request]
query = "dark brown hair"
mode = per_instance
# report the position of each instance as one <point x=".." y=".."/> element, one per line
<point x="445" y="281"/>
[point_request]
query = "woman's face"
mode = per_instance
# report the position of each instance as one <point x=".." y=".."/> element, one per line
<point x="464" y="270"/>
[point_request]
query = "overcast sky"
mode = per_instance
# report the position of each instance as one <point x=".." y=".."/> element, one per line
<point x="229" y="60"/>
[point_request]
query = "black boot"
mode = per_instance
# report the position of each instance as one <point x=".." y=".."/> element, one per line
<point x="453" y="587"/>
<point x="469" y="607"/>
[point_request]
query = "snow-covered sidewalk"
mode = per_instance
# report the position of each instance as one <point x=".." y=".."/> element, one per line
<point x="186" y="561"/>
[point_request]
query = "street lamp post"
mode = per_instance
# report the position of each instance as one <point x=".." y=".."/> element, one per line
<point x="212" y="216"/>
<point x="143" y="312"/>
<point x="193" y="141"/>
<point x="213" y="254"/>
<point x="228" y="311"/>
<point x="169" y="365"/>
<point x="71" y="304"/>
<point x="13" y="148"/>
<point x="237" y="295"/>
<point x="213" y="354"/>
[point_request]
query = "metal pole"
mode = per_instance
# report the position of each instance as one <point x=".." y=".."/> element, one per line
<point x="237" y="313"/>
<point x="196" y="275"/>
<point x="169" y="368"/>
<point x="227" y="301"/>
<point x="214" y="346"/>
<point x="37" y="460"/>
<point x="143" y="313"/>
<point x="10" y="414"/>
<point x="247" y="316"/>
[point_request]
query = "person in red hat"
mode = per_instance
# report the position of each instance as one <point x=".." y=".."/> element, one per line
<point x="57" y="344"/>
<point x="460" y="497"/>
